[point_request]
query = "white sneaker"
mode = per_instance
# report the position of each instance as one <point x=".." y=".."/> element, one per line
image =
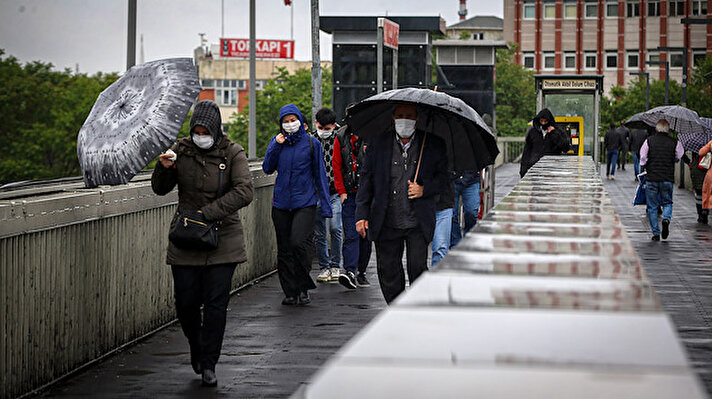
<point x="324" y="276"/>
<point x="335" y="272"/>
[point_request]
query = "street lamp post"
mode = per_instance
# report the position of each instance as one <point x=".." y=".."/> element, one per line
<point x="684" y="69"/>
<point x="647" y="87"/>
<point x="667" y="77"/>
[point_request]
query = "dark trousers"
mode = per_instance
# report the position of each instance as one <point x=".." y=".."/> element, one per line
<point x="208" y="286"/>
<point x="351" y="246"/>
<point x="622" y="155"/>
<point x="294" y="254"/>
<point x="364" y="254"/>
<point x="389" y="259"/>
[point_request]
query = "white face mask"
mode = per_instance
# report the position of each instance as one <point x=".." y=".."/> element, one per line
<point x="291" y="127"/>
<point x="324" y="134"/>
<point x="203" y="142"/>
<point x="405" y="128"/>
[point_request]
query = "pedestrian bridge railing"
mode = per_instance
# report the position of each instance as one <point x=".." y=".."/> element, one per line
<point x="82" y="272"/>
<point x="545" y="298"/>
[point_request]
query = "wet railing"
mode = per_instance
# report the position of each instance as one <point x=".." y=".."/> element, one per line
<point x="510" y="149"/>
<point x="545" y="298"/>
<point x="82" y="272"/>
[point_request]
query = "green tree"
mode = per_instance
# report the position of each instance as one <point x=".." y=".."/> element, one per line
<point x="699" y="91"/>
<point x="282" y="89"/>
<point x="43" y="111"/>
<point x="516" y="95"/>
<point x="622" y="103"/>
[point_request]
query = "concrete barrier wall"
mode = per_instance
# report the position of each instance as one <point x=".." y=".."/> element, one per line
<point x="82" y="272"/>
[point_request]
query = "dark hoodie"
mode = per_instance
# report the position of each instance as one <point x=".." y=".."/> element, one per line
<point x="537" y="144"/>
<point x="301" y="175"/>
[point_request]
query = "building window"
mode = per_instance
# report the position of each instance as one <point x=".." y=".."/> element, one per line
<point x="590" y="10"/>
<point x="260" y="84"/>
<point x="242" y="84"/>
<point x="207" y="83"/>
<point x="653" y="8"/>
<point x="653" y="56"/>
<point x="632" y="60"/>
<point x="478" y="36"/>
<point x="632" y="9"/>
<point x="549" y="61"/>
<point x="549" y="10"/>
<point x="570" y="9"/>
<point x="589" y="60"/>
<point x="570" y="60"/>
<point x="699" y="7"/>
<point x="676" y="8"/>
<point x="675" y="60"/>
<point x="226" y="96"/>
<point x="528" y="60"/>
<point x="611" y="60"/>
<point x="611" y="9"/>
<point x="529" y="9"/>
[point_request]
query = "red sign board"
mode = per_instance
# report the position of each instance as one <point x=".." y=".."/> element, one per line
<point x="264" y="48"/>
<point x="390" y="32"/>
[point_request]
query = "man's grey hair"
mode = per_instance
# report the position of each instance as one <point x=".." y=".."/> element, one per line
<point x="662" y="126"/>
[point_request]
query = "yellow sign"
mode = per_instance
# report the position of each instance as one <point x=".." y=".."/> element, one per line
<point x="568" y="84"/>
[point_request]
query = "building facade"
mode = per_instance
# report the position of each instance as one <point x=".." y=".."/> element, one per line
<point x="608" y="37"/>
<point x="479" y="27"/>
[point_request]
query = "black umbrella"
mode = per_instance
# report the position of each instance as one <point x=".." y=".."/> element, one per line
<point x="136" y="118"/>
<point x="471" y="145"/>
<point x="691" y="130"/>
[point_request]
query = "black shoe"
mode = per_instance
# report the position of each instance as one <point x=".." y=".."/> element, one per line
<point x="348" y="280"/>
<point x="656" y="238"/>
<point x="636" y="179"/>
<point x="209" y="378"/>
<point x="666" y="228"/>
<point x="289" y="300"/>
<point x="622" y="167"/>
<point x="362" y="281"/>
<point x="704" y="219"/>
<point x="197" y="367"/>
<point x="304" y="298"/>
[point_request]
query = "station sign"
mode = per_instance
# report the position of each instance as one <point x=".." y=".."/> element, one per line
<point x="569" y="84"/>
<point x="391" y="31"/>
<point x="240" y="48"/>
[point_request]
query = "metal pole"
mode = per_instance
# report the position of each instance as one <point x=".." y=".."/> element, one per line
<point x="647" y="91"/>
<point x="131" y="39"/>
<point x="596" y="139"/>
<point x="316" y="64"/>
<point x="684" y="77"/>
<point x="667" y="82"/>
<point x="379" y="57"/>
<point x="222" y="19"/>
<point x="252" y="110"/>
<point x="395" y="69"/>
<point x="291" y="21"/>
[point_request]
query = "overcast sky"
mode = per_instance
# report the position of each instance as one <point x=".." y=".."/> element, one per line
<point x="92" y="33"/>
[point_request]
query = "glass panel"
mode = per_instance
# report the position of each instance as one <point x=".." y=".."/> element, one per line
<point x="590" y="61"/>
<point x="208" y="83"/>
<point x="549" y="11"/>
<point x="574" y="105"/>
<point x="591" y="10"/>
<point x="632" y="60"/>
<point x="570" y="61"/>
<point x="529" y="11"/>
<point x="549" y="61"/>
<point x="654" y="57"/>
<point x="676" y="60"/>
<point x="611" y="10"/>
<point x="529" y="61"/>
<point x="570" y="11"/>
<point x="611" y="61"/>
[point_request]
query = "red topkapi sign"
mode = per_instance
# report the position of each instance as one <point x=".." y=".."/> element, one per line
<point x="263" y="48"/>
<point x="390" y="32"/>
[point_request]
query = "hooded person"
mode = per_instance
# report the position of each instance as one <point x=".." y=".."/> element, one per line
<point x="297" y="158"/>
<point x="199" y="165"/>
<point x="544" y="137"/>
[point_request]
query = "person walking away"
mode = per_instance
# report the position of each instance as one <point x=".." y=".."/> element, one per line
<point x="301" y="179"/>
<point x="625" y="145"/>
<point x="203" y="277"/>
<point x="637" y="138"/>
<point x="467" y="190"/>
<point x="329" y="256"/>
<point x="396" y="205"/>
<point x="544" y="137"/>
<point x="443" y="224"/>
<point x="613" y="144"/>
<point x="658" y="156"/>
<point x="349" y="153"/>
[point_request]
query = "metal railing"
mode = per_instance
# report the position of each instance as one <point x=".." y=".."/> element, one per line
<point x="510" y="149"/>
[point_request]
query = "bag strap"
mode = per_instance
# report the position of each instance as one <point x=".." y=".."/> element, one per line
<point x="222" y="167"/>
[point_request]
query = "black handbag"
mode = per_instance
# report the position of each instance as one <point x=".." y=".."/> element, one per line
<point x="189" y="229"/>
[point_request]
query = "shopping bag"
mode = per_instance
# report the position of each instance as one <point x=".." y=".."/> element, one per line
<point x="640" y="191"/>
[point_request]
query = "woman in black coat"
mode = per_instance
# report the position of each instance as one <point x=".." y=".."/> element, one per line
<point x="543" y="138"/>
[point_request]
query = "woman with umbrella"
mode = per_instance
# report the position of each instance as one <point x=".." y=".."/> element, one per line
<point x="205" y="165"/>
<point x="301" y="180"/>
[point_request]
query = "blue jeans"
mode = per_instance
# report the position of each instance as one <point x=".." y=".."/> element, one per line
<point x="351" y="237"/>
<point x="636" y="164"/>
<point x="441" y="238"/>
<point x="470" y="206"/>
<point x="658" y="193"/>
<point x="611" y="161"/>
<point x="329" y="257"/>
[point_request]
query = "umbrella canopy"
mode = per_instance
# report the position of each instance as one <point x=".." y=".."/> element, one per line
<point x="471" y="145"/>
<point x="136" y="118"/>
<point x="691" y="130"/>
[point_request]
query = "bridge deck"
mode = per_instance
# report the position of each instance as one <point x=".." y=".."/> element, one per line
<point x="270" y="349"/>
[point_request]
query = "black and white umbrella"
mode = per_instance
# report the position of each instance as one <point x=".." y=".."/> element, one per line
<point x="136" y="118"/>
<point x="691" y="130"/>
<point x="471" y="145"/>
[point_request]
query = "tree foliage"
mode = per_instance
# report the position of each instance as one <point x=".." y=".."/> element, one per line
<point x="282" y="89"/>
<point x="516" y="95"/>
<point x="43" y="111"/>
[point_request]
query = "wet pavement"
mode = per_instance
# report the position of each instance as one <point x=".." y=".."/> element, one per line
<point x="270" y="349"/>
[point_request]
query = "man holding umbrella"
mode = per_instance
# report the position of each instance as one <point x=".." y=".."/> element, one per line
<point x="404" y="171"/>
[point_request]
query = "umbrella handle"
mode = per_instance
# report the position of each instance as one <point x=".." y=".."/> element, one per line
<point x="420" y="157"/>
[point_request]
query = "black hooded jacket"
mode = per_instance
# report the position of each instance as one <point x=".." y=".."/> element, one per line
<point x="537" y="145"/>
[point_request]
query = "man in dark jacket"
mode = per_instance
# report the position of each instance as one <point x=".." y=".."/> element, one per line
<point x="543" y="138"/>
<point x="613" y="144"/>
<point x="658" y="156"/>
<point x="397" y="205"/>
<point x="637" y="138"/>
<point x="624" y="132"/>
